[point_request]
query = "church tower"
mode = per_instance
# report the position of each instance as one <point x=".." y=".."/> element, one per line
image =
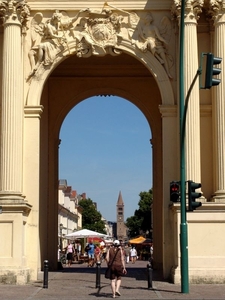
<point x="121" y="228"/>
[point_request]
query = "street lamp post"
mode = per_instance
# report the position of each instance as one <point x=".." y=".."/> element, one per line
<point x="61" y="228"/>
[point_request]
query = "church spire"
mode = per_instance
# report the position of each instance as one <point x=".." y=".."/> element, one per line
<point x="120" y="199"/>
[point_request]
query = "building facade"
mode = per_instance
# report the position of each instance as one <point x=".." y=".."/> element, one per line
<point x="55" y="54"/>
<point x="69" y="212"/>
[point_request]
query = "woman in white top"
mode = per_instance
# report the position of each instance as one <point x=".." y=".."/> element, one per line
<point x="133" y="254"/>
<point x="70" y="251"/>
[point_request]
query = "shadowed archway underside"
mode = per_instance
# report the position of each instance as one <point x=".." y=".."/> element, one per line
<point x="107" y="66"/>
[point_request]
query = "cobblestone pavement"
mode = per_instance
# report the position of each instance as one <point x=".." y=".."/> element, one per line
<point x="79" y="282"/>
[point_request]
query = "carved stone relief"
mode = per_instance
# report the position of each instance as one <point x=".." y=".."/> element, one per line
<point x="97" y="33"/>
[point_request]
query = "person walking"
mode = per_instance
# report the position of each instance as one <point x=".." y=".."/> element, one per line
<point x="133" y="255"/>
<point x="127" y="253"/>
<point x="115" y="259"/>
<point x="103" y="250"/>
<point x="91" y="254"/>
<point x="97" y="254"/>
<point x="70" y="251"/>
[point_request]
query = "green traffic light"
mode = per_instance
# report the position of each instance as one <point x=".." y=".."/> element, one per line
<point x="192" y="195"/>
<point x="211" y="70"/>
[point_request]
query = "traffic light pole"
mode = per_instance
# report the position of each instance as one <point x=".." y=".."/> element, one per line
<point x="183" y="224"/>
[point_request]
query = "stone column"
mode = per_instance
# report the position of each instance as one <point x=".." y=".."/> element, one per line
<point x="217" y="10"/>
<point x="14" y="14"/>
<point x="191" y="64"/>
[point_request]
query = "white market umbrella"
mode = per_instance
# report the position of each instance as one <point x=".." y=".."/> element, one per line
<point x="84" y="233"/>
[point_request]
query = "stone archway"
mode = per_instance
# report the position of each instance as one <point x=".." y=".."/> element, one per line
<point x="135" y="75"/>
<point x="68" y="77"/>
<point x="50" y="92"/>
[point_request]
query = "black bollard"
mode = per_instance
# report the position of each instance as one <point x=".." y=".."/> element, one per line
<point x="45" y="282"/>
<point x="149" y="270"/>
<point x="98" y="275"/>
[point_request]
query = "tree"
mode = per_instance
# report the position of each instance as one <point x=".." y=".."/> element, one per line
<point x="91" y="218"/>
<point x="133" y="224"/>
<point x="141" y="221"/>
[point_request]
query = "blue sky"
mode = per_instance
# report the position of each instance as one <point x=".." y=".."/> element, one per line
<point x="105" y="148"/>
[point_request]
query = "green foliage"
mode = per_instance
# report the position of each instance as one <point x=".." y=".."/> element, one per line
<point x="91" y="218"/>
<point x="133" y="224"/>
<point x="141" y="221"/>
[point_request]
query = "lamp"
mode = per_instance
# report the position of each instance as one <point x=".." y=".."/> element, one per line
<point x="61" y="228"/>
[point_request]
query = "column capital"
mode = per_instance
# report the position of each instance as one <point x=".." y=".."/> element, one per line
<point x="192" y="10"/>
<point x="14" y="12"/>
<point x="217" y="11"/>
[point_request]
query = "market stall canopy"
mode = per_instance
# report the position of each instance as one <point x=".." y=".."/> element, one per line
<point x="138" y="240"/>
<point x="85" y="233"/>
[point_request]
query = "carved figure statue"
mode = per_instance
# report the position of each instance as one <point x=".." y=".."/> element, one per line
<point x="48" y="43"/>
<point x="152" y="40"/>
<point x="46" y="40"/>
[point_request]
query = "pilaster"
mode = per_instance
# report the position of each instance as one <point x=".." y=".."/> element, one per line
<point x="15" y="211"/>
<point x="11" y="163"/>
<point x="217" y="11"/>
<point x="170" y="157"/>
<point x="193" y="162"/>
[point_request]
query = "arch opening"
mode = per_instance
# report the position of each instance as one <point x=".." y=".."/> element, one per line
<point x="69" y="84"/>
<point x="101" y="134"/>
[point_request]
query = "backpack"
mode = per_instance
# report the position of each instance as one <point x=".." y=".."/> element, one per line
<point x="87" y="248"/>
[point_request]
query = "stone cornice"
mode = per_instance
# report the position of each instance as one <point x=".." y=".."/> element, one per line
<point x="168" y="110"/>
<point x="15" y="207"/>
<point x="77" y="5"/>
<point x="33" y="111"/>
<point x="206" y="207"/>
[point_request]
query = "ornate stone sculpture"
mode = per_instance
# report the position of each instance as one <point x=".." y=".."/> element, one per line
<point x="96" y="33"/>
<point x="47" y="42"/>
<point x="151" y="39"/>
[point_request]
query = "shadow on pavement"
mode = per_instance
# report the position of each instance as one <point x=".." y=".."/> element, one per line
<point x="138" y="273"/>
